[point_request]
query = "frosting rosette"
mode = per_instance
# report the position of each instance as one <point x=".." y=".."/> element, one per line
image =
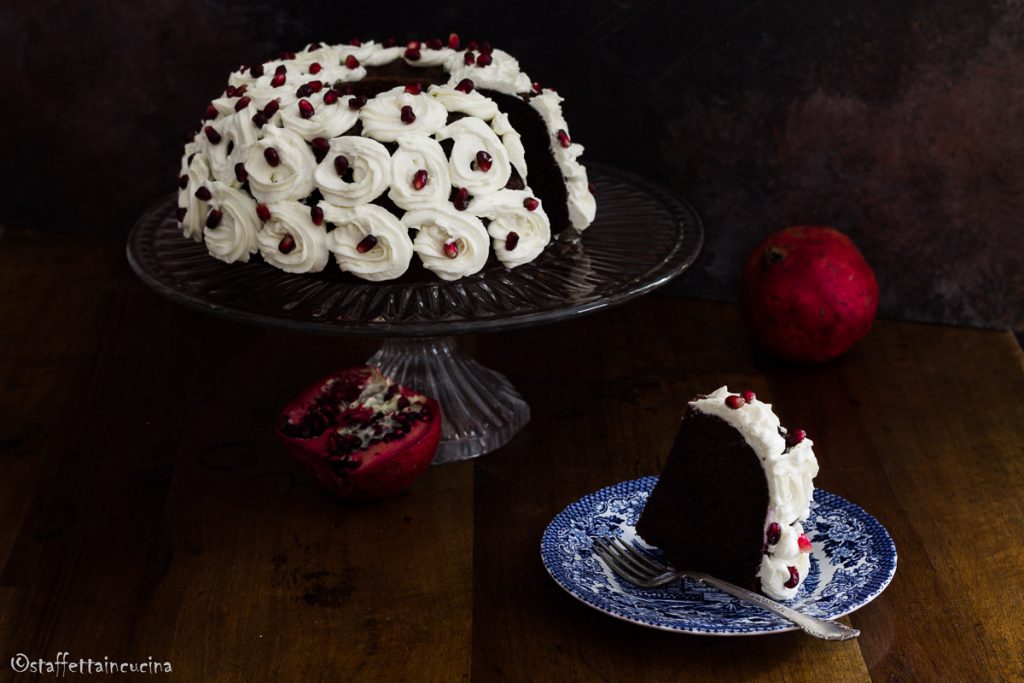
<point x="513" y="142"/>
<point x="450" y="245"/>
<point x="396" y="113"/>
<point x="233" y="235"/>
<point x="368" y="241"/>
<point x="419" y="174"/>
<point x="229" y="144"/>
<point x="354" y="171"/>
<point x="291" y="241"/>
<point x="479" y="161"/>
<point x="326" y="120"/>
<point x="519" y="234"/>
<point x="197" y="174"/>
<point x="459" y="102"/>
<point x="280" y="166"/>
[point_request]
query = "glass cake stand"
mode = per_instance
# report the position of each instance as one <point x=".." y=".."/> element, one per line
<point x="643" y="237"/>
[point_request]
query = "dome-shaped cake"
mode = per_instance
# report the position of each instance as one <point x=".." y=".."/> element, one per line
<point x="386" y="157"/>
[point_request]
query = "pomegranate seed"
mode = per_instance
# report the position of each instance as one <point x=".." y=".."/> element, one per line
<point x="535" y="88"/>
<point x="472" y="45"/>
<point x="795" y="436"/>
<point x="263" y="212"/>
<point x="389" y="42"/>
<point x="305" y="109"/>
<point x="259" y="119"/>
<point x="366" y="244"/>
<point x="230" y="91"/>
<point x="804" y="543"/>
<point x="304" y="90"/>
<point x="183" y="181"/>
<point x="461" y="199"/>
<point x="213" y="218"/>
<point x="330" y="97"/>
<point x="465" y="85"/>
<point x="414" y="88"/>
<point x="351" y="62"/>
<point x="316" y="86"/>
<point x="203" y="194"/>
<point x="355" y="42"/>
<point x="212" y="135"/>
<point x="357" y="102"/>
<point x="317" y="214"/>
<point x="256" y="71"/>
<point x="486" y="48"/>
<point x="531" y="204"/>
<point x="435" y="44"/>
<point x="181" y="213"/>
<point x="451" y="249"/>
<point x="287" y="55"/>
<point x="412" y="54"/>
<point x="271" y="108"/>
<point x="453" y="41"/>
<point x="511" y="241"/>
<point x="272" y="157"/>
<point x="278" y="80"/>
<point x="211" y="112"/>
<point x="320" y="147"/>
<point x="242" y="103"/>
<point x="469" y="58"/>
<point x="773" y="534"/>
<point x="315" y="68"/>
<point x="286" y="245"/>
<point x="413" y="45"/>
<point x="563" y="138"/>
<point x="484" y="59"/>
<point x="748" y="396"/>
<point x="483" y="161"/>
<point x="281" y="69"/>
<point x="794" y="578"/>
<point x="240" y="173"/>
<point x="408" y="116"/>
<point x="341" y="164"/>
<point x="419" y="179"/>
<point x="734" y="401"/>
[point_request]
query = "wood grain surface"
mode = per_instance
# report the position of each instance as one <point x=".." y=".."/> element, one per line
<point x="146" y="509"/>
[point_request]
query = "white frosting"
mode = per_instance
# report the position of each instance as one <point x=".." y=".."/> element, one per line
<point x="502" y="74"/>
<point x="292" y="178"/>
<point x="438" y="228"/>
<point x="327" y="121"/>
<point x="371" y="171"/>
<point x="198" y="173"/>
<point x="416" y="153"/>
<point x="789" y="472"/>
<point x="507" y="213"/>
<point x="382" y="115"/>
<point x="582" y="207"/>
<point x="471" y="104"/>
<point x="387" y="259"/>
<point x="310" y="254"/>
<point x="234" y="238"/>
<point x="429" y="57"/>
<point x="513" y="142"/>
<point x="237" y="134"/>
<point x="471" y="136"/>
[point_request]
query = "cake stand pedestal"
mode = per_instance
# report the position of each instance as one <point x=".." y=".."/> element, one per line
<point x="643" y="237"/>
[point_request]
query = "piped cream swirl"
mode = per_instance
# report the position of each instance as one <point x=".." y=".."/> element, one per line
<point x="292" y="178"/>
<point x="508" y="214"/>
<point x="417" y="153"/>
<point x="198" y="173"/>
<point x="439" y="228"/>
<point x="386" y="259"/>
<point x="472" y="136"/>
<point x="382" y="115"/>
<point x="234" y="238"/>
<point x="327" y="121"/>
<point x="370" y="165"/>
<point x="309" y="254"/>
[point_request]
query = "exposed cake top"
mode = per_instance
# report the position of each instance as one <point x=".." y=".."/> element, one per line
<point x="789" y="467"/>
<point x="291" y="154"/>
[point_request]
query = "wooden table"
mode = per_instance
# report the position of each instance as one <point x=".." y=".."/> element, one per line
<point x="146" y="509"/>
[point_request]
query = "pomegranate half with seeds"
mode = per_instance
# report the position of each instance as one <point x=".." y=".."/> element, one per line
<point x="360" y="434"/>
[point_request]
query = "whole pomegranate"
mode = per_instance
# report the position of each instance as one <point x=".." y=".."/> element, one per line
<point x="808" y="295"/>
<point x="360" y="434"/>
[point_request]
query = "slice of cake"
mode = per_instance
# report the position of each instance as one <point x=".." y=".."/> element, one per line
<point x="733" y="495"/>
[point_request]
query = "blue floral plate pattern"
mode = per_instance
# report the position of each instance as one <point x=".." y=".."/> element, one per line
<point x="853" y="559"/>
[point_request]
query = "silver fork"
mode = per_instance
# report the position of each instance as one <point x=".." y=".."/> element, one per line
<point x="638" y="568"/>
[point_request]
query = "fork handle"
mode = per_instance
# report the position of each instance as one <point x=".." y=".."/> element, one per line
<point x="819" y="628"/>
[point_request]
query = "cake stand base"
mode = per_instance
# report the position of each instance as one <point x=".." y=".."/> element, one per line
<point x="482" y="410"/>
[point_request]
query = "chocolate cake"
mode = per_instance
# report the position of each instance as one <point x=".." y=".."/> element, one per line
<point x="733" y="495"/>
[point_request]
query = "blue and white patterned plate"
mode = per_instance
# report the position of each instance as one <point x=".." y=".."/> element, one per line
<point x="853" y="559"/>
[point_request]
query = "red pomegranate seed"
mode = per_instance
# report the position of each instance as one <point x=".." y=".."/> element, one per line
<point x="240" y="173"/>
<point x="804" y="543"/>
<point x="278" y="80"/>
<point x="794" y="578"/>
<point x="304" y="90"/>
<point x="341" y="164"/>
<point x="412" y="54"/>
<point x="419" y="179"/>
<point x="531" y="204"/>
<point x="203" y="194"/>
<point x="748" y="396"/>
<point x="287" y="55"/>
<point x="242" y="103"/>
<point x="281" y="69"/>
<point x="469" y="58"/>
<point x="320" y="148"/>
<point x="435" y="44"/>
<point x="212" y="135"/>
<point x="483" y="161"/>
<point x="413" y="45"/>
<point x="461" y="199"/>
<point x="317" y="214"/>
<point x="535" y="88"/>
<point x="256" y="71"/>
<point x="331" y="96"/>
<point x="389" y="42"/>
<point x="795" y="436"/>
<point x="286" y="245"/>
<point x="511" y="241"/>
<point x="484" y="59"/>
<point x="414" y="88"/>
<point x="351" y="62"/>
<point x="272" y="157"/>
<point x="259" y="119"/>
<point x="305" y="109"/>
<point x="453" y="41"/>
<point x="315" y="68"/>
<point x="213" y="218"/>
<point x="451" y="249"/>
<point x="271" y="108"/>
<point x="183" y="181"/>
<point x="181" y="213"/>
<point x="366" y="244"/>
<point x="355" y="42"/>
<point x="486" y="48"/>
<point x="465" y="85"/>
<point x="563" y="138"/>
<point x="263" y="212"/>
<point x="357" y="102"/>
<point x="773" y="534"/>
<point x="316" y="86"/>
<point x="734" y="401"/>
<point x="408" y="116"/>
<point x="231" y="91"/>
<point x="472" y="45"/>
<point x="211" y="112"/>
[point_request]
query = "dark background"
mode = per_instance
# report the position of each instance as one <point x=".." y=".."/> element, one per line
<point x="900" y="124"/>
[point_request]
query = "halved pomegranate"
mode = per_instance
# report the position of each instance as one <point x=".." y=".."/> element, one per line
<point x="360" y="434"/>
